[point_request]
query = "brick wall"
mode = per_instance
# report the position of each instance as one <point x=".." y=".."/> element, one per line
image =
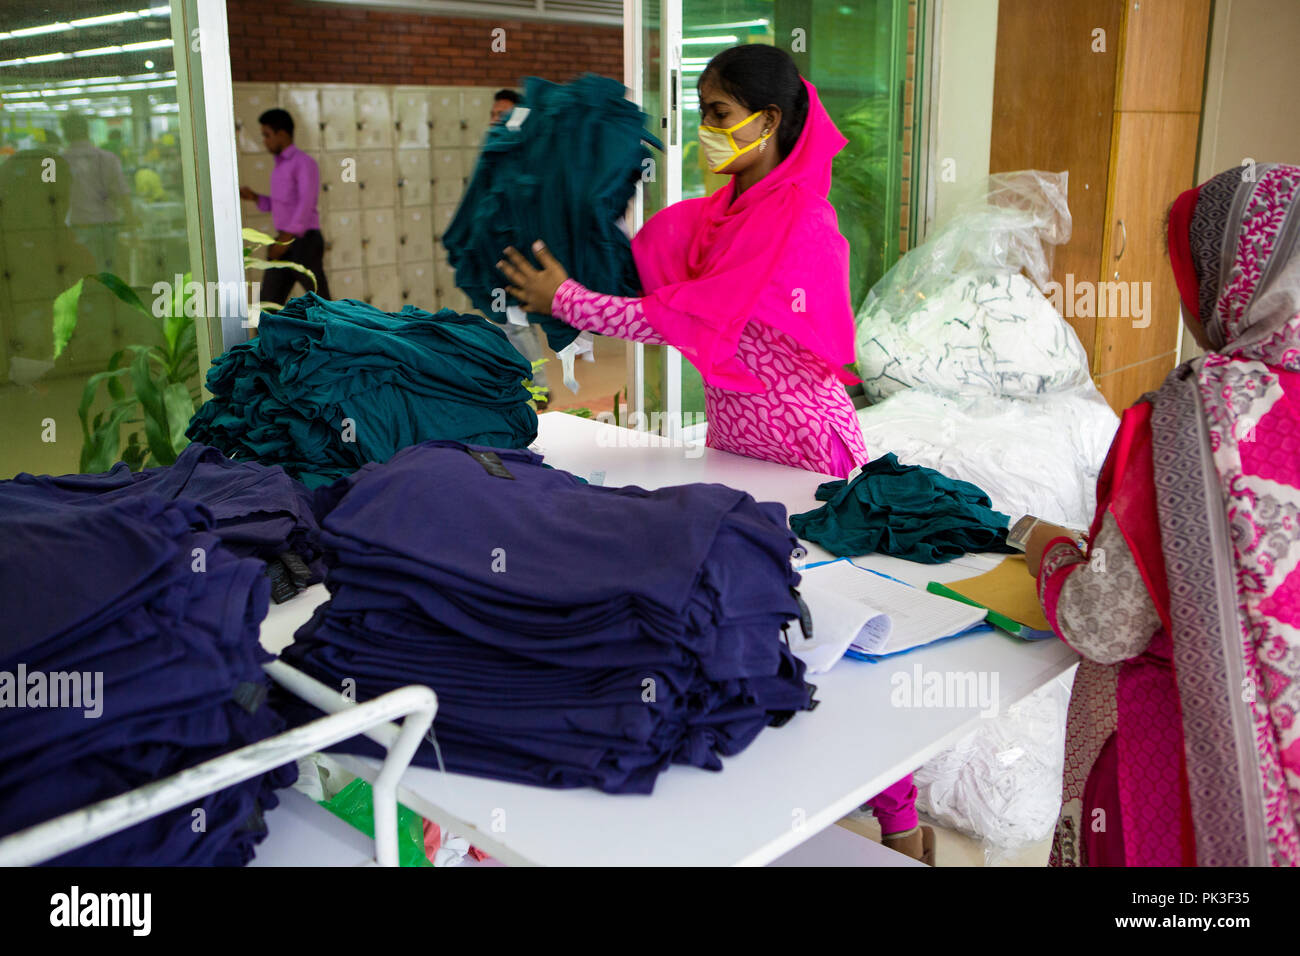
<point x="275" y="41"/>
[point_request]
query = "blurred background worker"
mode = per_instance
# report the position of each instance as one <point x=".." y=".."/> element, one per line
<point x="522" y="337"/>
<point x="295" y="191"/>
<point x="99" y="201"/>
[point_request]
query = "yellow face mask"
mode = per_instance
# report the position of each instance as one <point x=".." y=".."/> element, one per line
<point x="719" y="145"/>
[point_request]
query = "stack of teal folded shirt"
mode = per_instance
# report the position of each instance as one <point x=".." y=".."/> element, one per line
<point x="565" y="175"/>
<point x="328" y="386"/>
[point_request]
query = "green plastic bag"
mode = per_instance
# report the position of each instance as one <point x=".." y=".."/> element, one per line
<point x="355" y="803"/>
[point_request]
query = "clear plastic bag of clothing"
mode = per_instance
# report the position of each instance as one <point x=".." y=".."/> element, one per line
<point x="966" y="312"/>
<point x="1001" y="783"/>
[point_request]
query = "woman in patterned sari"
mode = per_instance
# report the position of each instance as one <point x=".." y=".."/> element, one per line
<point x="1183" y="738"/>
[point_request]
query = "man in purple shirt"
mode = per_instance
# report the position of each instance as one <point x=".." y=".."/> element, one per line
<point x="295" y="186"/>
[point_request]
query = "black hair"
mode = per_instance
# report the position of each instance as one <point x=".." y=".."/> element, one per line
<point x="757" y="76"/>
<point x="277" y="119"/>
<point x="510" y="95"/>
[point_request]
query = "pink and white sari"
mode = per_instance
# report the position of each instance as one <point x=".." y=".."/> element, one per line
<point x="1194" y="744"/>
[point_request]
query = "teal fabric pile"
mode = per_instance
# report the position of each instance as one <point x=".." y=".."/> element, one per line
<point x="328" y="386"/>
<point x="904" y="510"/>
<point x="565" y="176"/>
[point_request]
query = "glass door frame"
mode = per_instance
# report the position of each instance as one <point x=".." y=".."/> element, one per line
<point x="207" y="117"/>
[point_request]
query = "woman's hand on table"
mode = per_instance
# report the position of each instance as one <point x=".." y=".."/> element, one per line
<point x="534" y="288"/>
<point x="1039" y="538"/>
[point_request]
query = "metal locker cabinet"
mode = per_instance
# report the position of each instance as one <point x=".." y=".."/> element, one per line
<point x="342" y="231"/>
<point x="303" y="104"/>
<point x="338" y="113"/>
<point x="374" y="117"/>
<point x="448" y="176"/>
<point x="447" y="131"/>
<point x="340" y="180"/>
<point x="378" y="240"/>
<point x="251" y="101"/>
<point x="348" y="284"/>
<point x="414" y="177"/>
<point x="419" y="286"/>
<point x="384" y="288"/>
<point x="378" y="182"/>
<point x="413" y="112"/>
<point x="415" y="235"/>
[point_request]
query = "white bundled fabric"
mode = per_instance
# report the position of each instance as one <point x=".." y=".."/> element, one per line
<point x="1039" y="456"/>
<point x="1002" y="782"/>
<point x="977" y="335"/>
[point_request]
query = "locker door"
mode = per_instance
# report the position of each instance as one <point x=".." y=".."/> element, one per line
<point x="303" y="104"/>
<point x="420" y="286"/>
<point x="414" y="177"/>
<point x="415" y="236"/>
<point x="448" y="176"/>
<point x="414" y="114"/>
<point x="340" y="180"/>
<point x="384" y="288"/>
<point x="379" y="237"/>
<point x="255" y="173"/>
<point x="476" y="114"/>
<point x="348" y="284"/>
<point x="377" y="180"/>
<point x="338" y="110"/>
<point x="442" y="216"/>
<point x="375" y="117"/>
<point x="446" y="107"/>
<point x="342" y="232"/>
<point x="251" y="101"/>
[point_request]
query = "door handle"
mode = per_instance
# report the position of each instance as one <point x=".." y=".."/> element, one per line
<point x="1123" y="234"/>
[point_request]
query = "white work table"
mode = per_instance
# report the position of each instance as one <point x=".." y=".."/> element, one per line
<point x="792" y="781"/>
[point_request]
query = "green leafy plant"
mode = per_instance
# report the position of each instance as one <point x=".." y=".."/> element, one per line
<point x="147" y="385"/>
<point x="152" y="390"/>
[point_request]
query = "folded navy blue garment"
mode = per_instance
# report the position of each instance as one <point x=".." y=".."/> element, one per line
<point x="905" y="510"/>
<point x="326" y="387"/>
<point x="256" y="510"/>
<point x="564" y="651"/>
<point x="138" y="597"/>
<point x="565" y="175"/>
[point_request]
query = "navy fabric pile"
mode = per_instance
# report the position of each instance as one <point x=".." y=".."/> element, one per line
<point x="326" y="387"/>
<point x="565" y="176"/>
<point x="905" y="510"/>
<point x="257" y="511"/>
<point x="575" y="635"/>
<point x="139" y="591"/>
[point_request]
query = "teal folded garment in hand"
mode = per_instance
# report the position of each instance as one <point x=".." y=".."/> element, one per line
<point x="565" y="175"/>
<point x="327" y="387"/>
<point x="904" y="510"/>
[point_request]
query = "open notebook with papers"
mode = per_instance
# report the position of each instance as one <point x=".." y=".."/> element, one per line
<point x="867" y="615"/>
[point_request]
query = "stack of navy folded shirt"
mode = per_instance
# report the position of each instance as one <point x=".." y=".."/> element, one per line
<point x="326" y="387"/>
<point x="575" y="635"/>
<point x="129" y="653"/>
<point x="257" y="510"/>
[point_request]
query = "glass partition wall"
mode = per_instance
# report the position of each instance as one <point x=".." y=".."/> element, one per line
<point x="99" y="360"/>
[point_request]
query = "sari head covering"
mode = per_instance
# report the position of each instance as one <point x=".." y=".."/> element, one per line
<point x="775" y="255"/>
<point x="1220" y="549"/>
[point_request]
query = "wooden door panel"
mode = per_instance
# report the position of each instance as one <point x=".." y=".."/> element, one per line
<point x="1164" y="55"/>
<point x="1053" y="96"/>
<point x="1155" y="156"/>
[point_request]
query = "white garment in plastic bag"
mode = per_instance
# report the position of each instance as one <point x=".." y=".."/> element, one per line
<point x="1001" y="783"/>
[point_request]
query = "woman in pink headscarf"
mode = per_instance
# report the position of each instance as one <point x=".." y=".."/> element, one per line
<point x="751" y="284"/>
<point x="1183" y="741"/>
